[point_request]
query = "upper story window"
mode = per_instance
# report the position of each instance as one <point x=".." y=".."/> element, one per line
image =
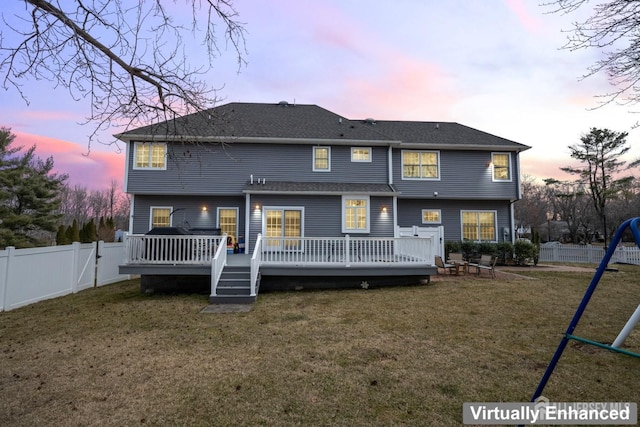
<point x="360" y="154"/>
<point x="150" y="155"/>
<point x="322" y="159"/>
<point x="431" y="216"/>
<point x="355" y="214"/>
<point x="501" y="166"/>
<point x="421" y="165"/>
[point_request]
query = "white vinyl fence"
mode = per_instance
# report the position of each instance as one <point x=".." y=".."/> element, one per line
<point x="588" y="254"/>
<point x="32" y="275"/>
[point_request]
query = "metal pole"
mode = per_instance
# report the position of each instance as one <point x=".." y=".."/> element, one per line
<point x="585" y="300"/>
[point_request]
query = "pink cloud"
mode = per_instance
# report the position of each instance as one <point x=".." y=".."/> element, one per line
<point x="530" y="22"/>
<point x="95" y="170"/>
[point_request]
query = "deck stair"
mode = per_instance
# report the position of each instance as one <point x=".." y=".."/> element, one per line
<point x="234" y="286"/>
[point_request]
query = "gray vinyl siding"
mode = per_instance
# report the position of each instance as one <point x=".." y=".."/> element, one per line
<point x="216" y="170"/>
<point x="323" y="215"/>
<point x="191" y="216"/>
<point x="410" y="214"/>
<point x="463" y="175"/>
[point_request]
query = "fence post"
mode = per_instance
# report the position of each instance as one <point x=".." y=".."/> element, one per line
<point x="75" y="262"/>
<point x="5" y="281"/>
<point x="99" y="263"/>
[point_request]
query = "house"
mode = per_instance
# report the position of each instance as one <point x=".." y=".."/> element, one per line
<point x="287" y="177"/>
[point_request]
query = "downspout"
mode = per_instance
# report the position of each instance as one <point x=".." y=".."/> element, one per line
<point x="126" y="167"/>
<point x="390" y="164"/>
<point x="390" y="181"/>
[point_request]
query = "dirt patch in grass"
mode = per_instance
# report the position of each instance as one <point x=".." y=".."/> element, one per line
<point x="391" y="356"/>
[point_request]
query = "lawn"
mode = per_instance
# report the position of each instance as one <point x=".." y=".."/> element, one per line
<point x="392" y="356"/>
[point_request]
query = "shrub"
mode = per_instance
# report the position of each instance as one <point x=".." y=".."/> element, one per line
<point x="525" y="252"/>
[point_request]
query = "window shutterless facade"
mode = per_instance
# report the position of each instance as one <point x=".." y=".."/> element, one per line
<point x="355" y="214"/>
<point x="322" y="159"/>
<point x="431" y="216"/>
<point x="420" y="165"/>
<point x="361" y="154"/>
<point x="160" y="216"/>
<point x="479" y="226"/>
<point x="150" y="155"/>
<point x="501" y="166"/>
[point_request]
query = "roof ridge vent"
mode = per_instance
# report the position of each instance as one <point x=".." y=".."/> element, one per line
<point x="283" y="103"/>
<point x="370" y="121"/>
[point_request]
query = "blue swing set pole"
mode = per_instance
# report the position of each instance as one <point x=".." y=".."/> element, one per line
<point x="633" y="224"/>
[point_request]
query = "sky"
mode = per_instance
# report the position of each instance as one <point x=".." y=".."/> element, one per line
<point x="494" y="65"/>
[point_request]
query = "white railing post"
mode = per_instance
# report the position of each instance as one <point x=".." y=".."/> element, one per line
<point x="256" y="259"/>
<point x="347" y="251"/>
<point x="217" y="264"/>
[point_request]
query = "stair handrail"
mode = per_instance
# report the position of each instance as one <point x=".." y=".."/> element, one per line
<point x="256" y="259"/>
<point x="217" y="264"/>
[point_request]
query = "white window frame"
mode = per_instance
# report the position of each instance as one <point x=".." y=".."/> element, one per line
<point x="493" y="165"/>
<point x="439" y="211"/>
<point x="152" y="208"/>
<point x="344" y="214"/>
<point x="237" y="217"/>
<point x="328" y="168"/>
<point x="282" y="209"/>
<point x="150" y="159"/>
<point x="420" y="178"/>
<point x="479" y="211"/>
<point x="369" y="154"/>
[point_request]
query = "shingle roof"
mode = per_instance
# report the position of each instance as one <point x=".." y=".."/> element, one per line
<point x="252" y="120"/>
<point x="317" y="187"/>
<point x="282" y="121"/>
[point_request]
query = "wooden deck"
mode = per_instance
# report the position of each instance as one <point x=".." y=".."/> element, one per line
<point x="340" y="258"/>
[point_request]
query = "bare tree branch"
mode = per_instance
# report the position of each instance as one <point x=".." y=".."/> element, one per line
<point x="612" y="28"/>
<point x="133" y="60"/>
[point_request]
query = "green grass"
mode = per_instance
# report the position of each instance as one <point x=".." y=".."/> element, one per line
<point x="391" y="356"/>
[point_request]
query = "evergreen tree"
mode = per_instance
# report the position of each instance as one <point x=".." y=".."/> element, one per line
<point x="90" y="234"/>
<point x="600" y="153"/>
<point x="73" y="233"/>
<point x="61" y="236"/>
<point x="28" y="194"/>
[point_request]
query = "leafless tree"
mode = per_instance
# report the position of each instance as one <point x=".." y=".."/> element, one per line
<point x="139" y="62"/>
<point x="611" y="28"/>
<point x="571" y="204"/>
<point x="533" y="208"/>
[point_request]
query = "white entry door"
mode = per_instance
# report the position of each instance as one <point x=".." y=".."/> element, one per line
<point x="435" y="234"/>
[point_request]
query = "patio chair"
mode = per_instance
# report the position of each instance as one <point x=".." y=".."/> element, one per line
<point x="486" y="262"/>
<point x="442" y="265"/>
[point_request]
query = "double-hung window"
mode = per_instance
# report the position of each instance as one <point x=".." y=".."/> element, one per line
<point x="322" y="159"/>
<point x="501" y="166"/>
<point x="160" y="216"/>
<point x="420" y="165"/>
<point x="355" y="214"/>
<point x="150" y="155"/>
<point x="479" y="226"/>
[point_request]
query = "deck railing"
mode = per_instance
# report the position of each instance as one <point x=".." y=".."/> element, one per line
<point x="174" y="250"/>
<point x="256" y="260"/>
<point x="217" y="265"/>
<point x="347" y="251"/>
